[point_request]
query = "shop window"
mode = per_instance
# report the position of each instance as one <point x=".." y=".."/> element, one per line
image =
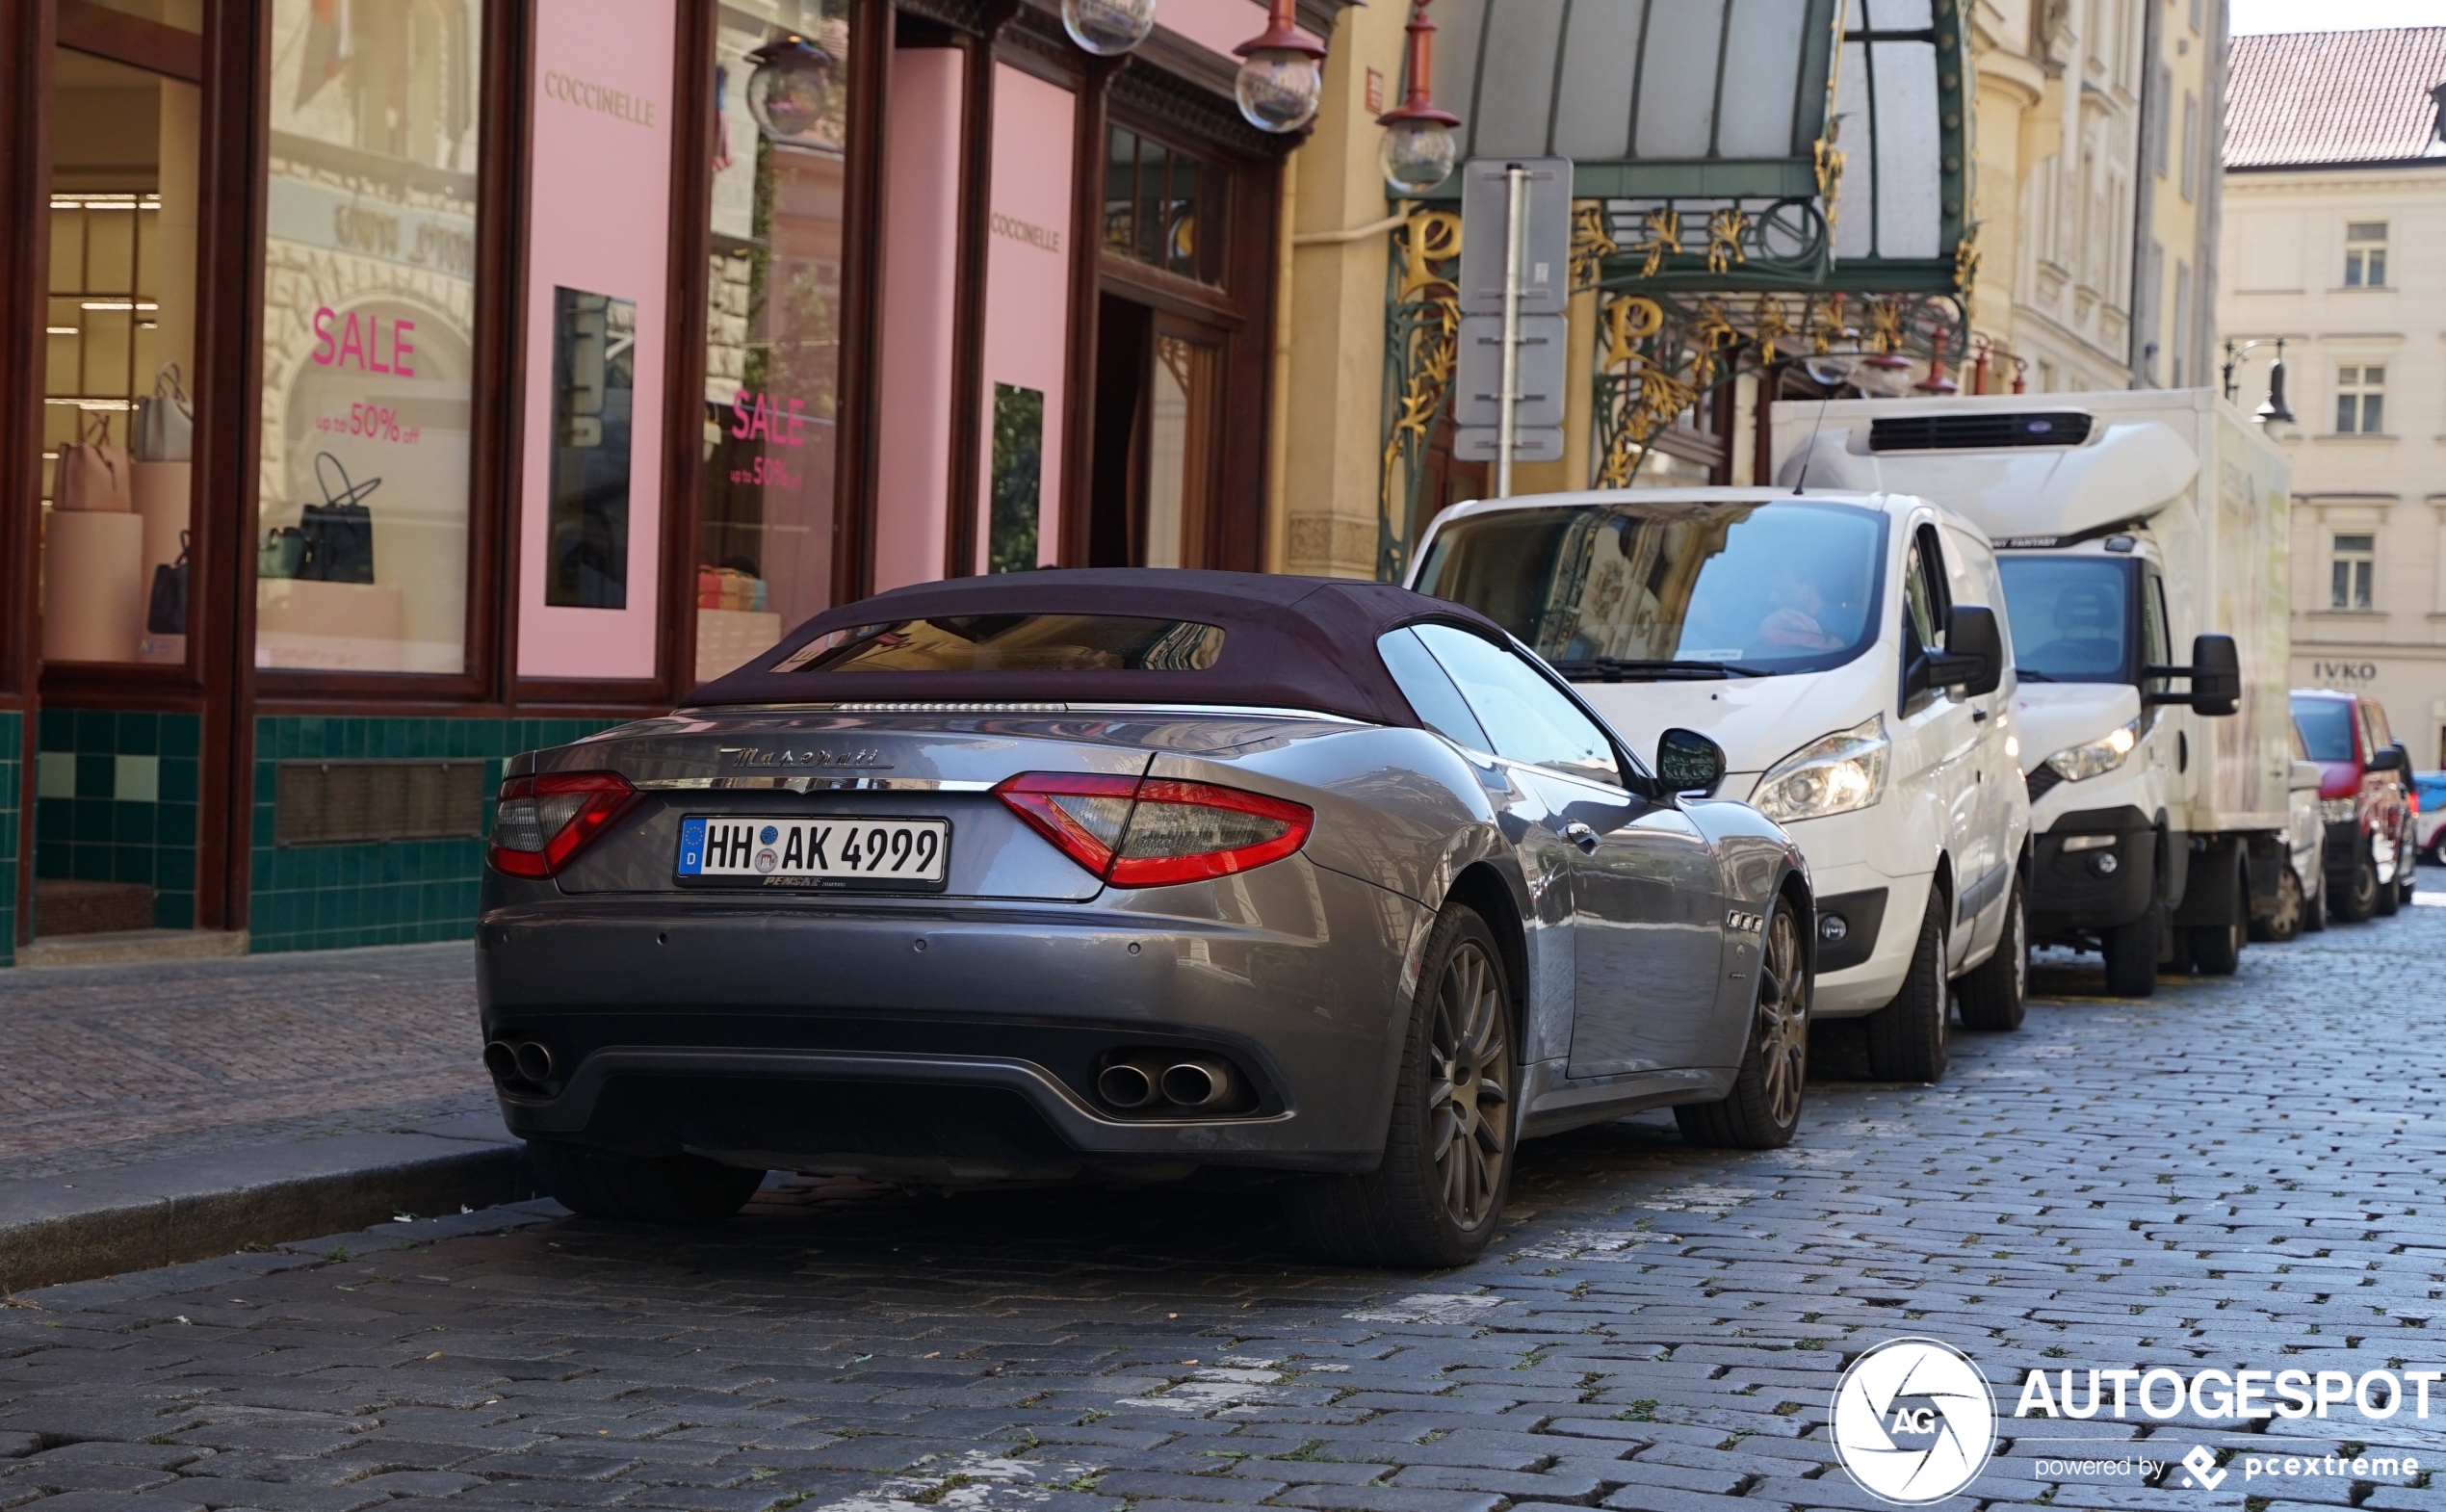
<point x="1158" y="399"/>
<point x="364" y="478"/>
<point x="773" y="343"/>
<point x="2365" y="254"/>
<point x="2352" y="562"/>
<point x="1017" y="486"/>
<point x="120" y="325"/>
<point x="593" y="379"/>
<point x="2361" y="401"/>
<point x="1162" y="206"/>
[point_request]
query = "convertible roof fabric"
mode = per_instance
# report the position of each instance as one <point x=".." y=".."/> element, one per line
<point x="1287" y="642"/>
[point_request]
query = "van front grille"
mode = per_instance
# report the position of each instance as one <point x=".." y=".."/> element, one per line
<point x="1978" y="433"/>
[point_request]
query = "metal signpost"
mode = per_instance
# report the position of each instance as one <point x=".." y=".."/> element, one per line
<point x="1516" y="239"/>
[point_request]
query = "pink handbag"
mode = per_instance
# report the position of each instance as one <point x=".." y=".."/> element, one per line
<point x="93" y="474"/>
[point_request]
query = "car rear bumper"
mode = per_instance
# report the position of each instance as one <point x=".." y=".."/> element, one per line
<point x="915" y="1038"/>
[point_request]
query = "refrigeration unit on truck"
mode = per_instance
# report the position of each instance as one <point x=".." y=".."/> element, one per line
<point x="2142" y="537"/>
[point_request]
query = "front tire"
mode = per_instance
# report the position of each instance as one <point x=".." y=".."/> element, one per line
<point x="2359" y="898"/>
<point x="688" y="1191"/>
<point x="2215" y="949"/>
<point x="1996" y="995"/>
<point x="2130" y="951"/>
<point x="1763" y="1108"/>
<point x="2285" y="924"/>
<point x="1906" y="1036"/>
<point x="1435" y="1199"/>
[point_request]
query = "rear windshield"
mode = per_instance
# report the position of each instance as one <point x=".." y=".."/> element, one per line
<point x="1013" y="643"/>
<point x="2327" y="727"/>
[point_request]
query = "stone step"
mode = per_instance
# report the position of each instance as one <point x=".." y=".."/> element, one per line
<point x="122" y="947"/>
<point x="63" y="908"/>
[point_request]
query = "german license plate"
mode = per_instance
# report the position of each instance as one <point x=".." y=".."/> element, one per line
<point x="832" y="851"/>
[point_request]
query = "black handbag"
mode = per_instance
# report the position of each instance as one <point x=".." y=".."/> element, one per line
<point x="338" y="531"/>
<point x="167" y="615"/>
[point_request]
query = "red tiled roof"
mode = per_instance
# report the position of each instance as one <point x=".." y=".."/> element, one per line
<point x="2358" y="96"/>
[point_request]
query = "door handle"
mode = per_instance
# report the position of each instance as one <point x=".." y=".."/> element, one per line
<point x="1979" y="716"/>
<point x="1580" y="835"/>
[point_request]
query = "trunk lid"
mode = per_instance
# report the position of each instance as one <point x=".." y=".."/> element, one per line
<point x="857" y="765"/>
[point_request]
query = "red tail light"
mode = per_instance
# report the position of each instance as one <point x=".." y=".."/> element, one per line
<point x="1157" y="831"/>
<point x="540" y="822"/>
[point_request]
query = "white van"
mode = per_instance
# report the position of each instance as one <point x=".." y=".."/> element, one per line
<point x="1847" y="650"/>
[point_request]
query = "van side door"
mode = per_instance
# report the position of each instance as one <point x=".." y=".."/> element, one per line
<point x="1936" y="736"/>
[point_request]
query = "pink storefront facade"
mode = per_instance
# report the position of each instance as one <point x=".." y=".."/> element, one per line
<point x="532" y="360"/>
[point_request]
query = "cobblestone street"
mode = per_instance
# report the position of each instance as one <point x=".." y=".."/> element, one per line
<point x="2237" y="1172"/>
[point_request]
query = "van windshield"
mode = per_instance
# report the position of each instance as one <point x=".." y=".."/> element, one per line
<point x="2326" y="726"/>
<point x="2071" y="617"/>
<point x="1671" y="589"/>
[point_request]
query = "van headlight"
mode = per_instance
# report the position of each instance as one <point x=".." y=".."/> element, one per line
<point x="1832" y="774"/>
<point x="2099" y="757"/>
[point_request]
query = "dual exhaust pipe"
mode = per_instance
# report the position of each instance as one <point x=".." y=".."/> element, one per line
<point x="1190" y="1083"/>
<point x="520" y="1061"/>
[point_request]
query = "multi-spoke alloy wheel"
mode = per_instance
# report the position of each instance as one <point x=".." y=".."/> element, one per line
<point x="1764" y="1107"/>
<point x="1470" y="1101"/>
<point x="1437" y="1195"/>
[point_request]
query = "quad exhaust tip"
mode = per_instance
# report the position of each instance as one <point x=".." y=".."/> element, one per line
<point x="1159" y="1082"/>
<point x="525" y="1060"/>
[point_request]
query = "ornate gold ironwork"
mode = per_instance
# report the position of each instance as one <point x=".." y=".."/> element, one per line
<point x="1726" y="228"/>
<point x="1423" y="345"/>
<point x="1592" y="242"/>
<point x="1661" y="235"/>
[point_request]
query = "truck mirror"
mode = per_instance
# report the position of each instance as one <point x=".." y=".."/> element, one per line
<point x="2390" y="758"/>
<point x="1973" y="658"/>
<point x="1688" y="762"/>
<point x="2215" y="675"/>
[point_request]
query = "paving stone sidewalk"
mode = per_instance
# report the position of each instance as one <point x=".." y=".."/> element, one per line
<point x="2236" y="1172"/>
<point x="105" y="1066"/>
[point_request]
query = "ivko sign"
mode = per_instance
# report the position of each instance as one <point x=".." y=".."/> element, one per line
<point x="2332" y="673"/>
<point x="601" y="98"/>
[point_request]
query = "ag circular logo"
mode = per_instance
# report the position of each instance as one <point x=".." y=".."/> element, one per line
<point x="1914" y="1420"/>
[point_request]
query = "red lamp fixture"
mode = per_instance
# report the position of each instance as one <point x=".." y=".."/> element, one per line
<point x="1280" y="78"/>
<point x="1418" y="149"/>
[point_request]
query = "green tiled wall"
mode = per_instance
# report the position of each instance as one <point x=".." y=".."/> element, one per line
<point x="115" y="801"/>
<point x="311" y="898"/>
<point x="11" y="735"/>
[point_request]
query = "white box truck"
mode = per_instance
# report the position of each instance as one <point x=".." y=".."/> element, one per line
<point x="2141" y="537"/>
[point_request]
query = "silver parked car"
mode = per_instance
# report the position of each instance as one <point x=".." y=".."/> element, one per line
<point x="1121" y="874"/>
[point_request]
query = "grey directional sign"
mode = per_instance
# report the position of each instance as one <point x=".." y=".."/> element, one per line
<point x="1477" y="380"/>
<point x="1546" y="251"/>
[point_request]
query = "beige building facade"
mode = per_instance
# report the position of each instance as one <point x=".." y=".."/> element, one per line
<point x="2097" y="195"/>
<point x="2335" y="240"/>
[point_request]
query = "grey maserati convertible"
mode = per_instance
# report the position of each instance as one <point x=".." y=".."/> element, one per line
<point x="1125" y="875"/>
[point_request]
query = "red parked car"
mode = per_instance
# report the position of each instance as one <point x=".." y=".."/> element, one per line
<point x="2364" y="799"/>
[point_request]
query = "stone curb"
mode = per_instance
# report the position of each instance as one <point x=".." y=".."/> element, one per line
<point x="90" y="1224"/>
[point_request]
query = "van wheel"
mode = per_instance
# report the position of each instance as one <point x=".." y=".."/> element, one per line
<point x="1435" y="1199"/>
<point x="2131" y="957"/>
<point x="2389" y="898"/>
<point x="1995" y="996"/>
<point x="2215" y="949"/>
<point x="1763" y="1108"/>
<point x="1906" y="1036"/>
<point x="2314" y="905"/>
<point x="684" y="1189"/>
<point x="2285" y="923"/>
<point x="2357" y="899"/>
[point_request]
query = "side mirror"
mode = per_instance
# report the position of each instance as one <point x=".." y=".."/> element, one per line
<point x="2390" y="758"/>
<point x="1973" y="658"/>
<point x="2215" y="675"/>
<point x="1688" y="762"/>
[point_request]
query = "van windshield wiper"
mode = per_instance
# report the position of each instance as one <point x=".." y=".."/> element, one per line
<point x="2031" y="675"/>
<point x="1619" y="668"/>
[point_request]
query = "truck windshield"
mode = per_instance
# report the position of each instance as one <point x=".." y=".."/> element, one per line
<point x="2325" y="725"/>
<point x="1671" y="589"/>
<point x="2072" y="620"/>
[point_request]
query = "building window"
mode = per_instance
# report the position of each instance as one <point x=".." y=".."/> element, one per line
<point x="2350" y="564"/>
<point x="2365" y="254"/>
<point x="365" y="477"/>
<point x="1162" y="207"/>
<point x="2361" y="401"/>
<point x="2182" y="323"/>
<point x="2191" y="144"/>
<point x="2160" y="106"/>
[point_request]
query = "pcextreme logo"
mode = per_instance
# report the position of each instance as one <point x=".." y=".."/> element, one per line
<point x="1915" y="1422"/>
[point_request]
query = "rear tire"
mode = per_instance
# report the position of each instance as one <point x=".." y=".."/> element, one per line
<point x="2357" y="900"/>
<point x="2389" y="895"/>
<point x="2285" y="924"/>
<point x="1435" y="1199"/>
<point x="2215" y="949"/>
<point x="2314" y="905"/>
<point x="1763" y="1108"/>
<point x="2131" y="957"/>
<point x="1906" y="1036"/>
<point x="684" y="1190"/>
<point x="1996" y="995"/>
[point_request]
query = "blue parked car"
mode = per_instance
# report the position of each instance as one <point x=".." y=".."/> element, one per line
<point x="2430" y="787"/>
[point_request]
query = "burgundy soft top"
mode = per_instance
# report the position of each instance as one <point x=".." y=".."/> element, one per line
<point x="1287" y="642"/>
